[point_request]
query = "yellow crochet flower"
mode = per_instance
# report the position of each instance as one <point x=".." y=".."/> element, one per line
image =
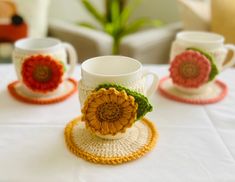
<point x="108" y="111"/>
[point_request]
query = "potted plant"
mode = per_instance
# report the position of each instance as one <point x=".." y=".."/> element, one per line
<point x="115" y="20"/>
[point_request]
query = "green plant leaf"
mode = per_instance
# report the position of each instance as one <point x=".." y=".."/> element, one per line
<point x="115" y="10"/>
<point x="108" y="28"/>
<point x="143" y="104"/>
<point x="127" y="11"/>
<point x="135" y="26"/>
<point x="64" y="66"/>
<point x="87" y="25"/>
<point x="156" y="23"/>
<point x="115" y="21"/>
<point x="115" y="17"/>
<point x="211" y="58"/>
<point x="90" y="8"/>
<point x="140" y="23"/>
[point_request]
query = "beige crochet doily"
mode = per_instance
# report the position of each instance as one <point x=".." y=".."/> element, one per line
<point x="137" y="141"/>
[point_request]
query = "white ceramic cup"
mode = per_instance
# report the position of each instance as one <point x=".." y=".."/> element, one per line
<point x="209" y="42"/>
<point x="121" y="70"/>
<point x="58" y="50"/>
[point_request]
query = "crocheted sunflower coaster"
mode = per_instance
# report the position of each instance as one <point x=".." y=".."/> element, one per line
<point x="69" y="88"/>
<point x="111" y="109"/>
<point x="136" y="142"/>
<point x="215" y="93"/>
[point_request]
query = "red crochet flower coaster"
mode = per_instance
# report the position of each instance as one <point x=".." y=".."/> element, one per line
<point x="216" y="93"/>
<point x="13" y="90"/>
<point x="42" y="73"/>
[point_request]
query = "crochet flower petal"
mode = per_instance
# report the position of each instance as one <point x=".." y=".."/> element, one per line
<point x="143" y="103"/>
<point x="109" y="116"/>
<point x="214" y="70"/>
<point x="42" y="73"/>
<point x="190" y="69"/>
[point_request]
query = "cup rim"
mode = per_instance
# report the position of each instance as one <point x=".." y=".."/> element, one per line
<point x="110" y="75"/>
<point x="181" y="36"/>
<point x="55" y="44"/>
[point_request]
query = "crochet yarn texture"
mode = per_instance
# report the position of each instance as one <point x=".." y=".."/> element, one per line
<point x="190" y="69"/>
<point x="143" y="103"/>
<point x="193" y="68"/>
<point x="17" y="94"/>
<point x="217" y="91"/>
<point x="42" y="73"/>
<point x="214" y="70"/>
<point x="108" y="111"/>
<point x="139" y="140"/>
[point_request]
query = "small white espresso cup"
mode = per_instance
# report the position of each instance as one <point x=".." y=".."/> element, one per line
<point x="210" y="42"/>
<point x="52" y="47"/>
<point x="120" y="70"/>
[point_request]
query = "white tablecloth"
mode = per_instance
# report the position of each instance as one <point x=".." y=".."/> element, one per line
<point x="197" y="143"/>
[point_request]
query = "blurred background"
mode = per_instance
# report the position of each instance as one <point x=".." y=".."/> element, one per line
<point x="140" y="29"/>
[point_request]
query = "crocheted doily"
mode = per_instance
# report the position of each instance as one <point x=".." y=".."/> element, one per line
<point x="137" y="141"/>
<point x="217" y="91"/>
<point x="69" y="87"/>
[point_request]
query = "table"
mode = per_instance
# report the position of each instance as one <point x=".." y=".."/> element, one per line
<point x="197" y="143"/>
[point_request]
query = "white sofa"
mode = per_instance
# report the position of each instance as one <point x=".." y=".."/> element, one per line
<point x="87" y="42"/>
<point x="148" y="46"/>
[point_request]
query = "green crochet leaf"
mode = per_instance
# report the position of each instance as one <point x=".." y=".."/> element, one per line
<point x="214" y="69"/>
<point x="143" y="104"/>
<point x="64" y="67"/>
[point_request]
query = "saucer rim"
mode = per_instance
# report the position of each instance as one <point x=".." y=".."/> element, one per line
<point x="169" y="95"/>
<point x="41" y="101"/>
<point x="153" y="136"/>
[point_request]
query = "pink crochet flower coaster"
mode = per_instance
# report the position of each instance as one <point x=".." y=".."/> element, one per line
<point x="216" y="92"/>
<point x="190" y="69"/>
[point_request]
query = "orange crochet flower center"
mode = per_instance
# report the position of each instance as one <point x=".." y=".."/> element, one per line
<point x="108" y="111"/>
<point x="42" y="73"/>
<point x="189" y="70"/>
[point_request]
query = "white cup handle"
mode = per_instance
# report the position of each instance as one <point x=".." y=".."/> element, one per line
<point x="152" y="88"/>
<point x="72" y="58"/>
<point x="231" y="62"/>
